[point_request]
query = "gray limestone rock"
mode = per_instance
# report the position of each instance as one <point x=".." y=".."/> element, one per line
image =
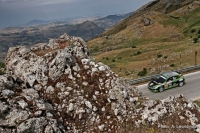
<point x="32" y="125"/>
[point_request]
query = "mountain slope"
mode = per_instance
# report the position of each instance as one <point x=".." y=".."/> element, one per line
<point x="160" y="36"/>
<point x="110" y="20"/>
<point x="14" y="36"/>
<point x="29" y="36"/>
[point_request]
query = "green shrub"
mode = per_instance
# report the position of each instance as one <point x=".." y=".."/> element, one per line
<point x="175" y="17"/>
<point x="195" y="40"/>
<point x="96" y="49"/>
<point x="197" y="102"/>
<point x="2" y="65"/>
<point x="138" y="52"/>
<point x="159" y="55"/>
<point x="172" y="65"/>
<point x="199" y="32"/>
<point x="165" y="57"/>
<point x="2" y="72"/>
<point x="113" y="60"/>
<point x="133" y="46"/>
<point x="143" y="72"/>
<point x="193" y="30"/>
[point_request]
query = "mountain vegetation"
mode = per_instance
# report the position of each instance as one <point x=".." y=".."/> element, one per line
<point x="160" y="36"/>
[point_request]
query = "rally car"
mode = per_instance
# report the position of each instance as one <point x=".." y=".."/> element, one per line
<point x="166" y="81"/>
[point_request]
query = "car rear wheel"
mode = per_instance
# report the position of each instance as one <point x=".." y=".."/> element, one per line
<point x="161" y="89"/>
<point x="180" y="84"/>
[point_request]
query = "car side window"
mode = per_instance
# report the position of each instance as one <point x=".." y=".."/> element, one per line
<point x="169" y="79"/>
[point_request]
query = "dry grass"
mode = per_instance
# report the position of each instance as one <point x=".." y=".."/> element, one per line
<point x="180" y="54"/>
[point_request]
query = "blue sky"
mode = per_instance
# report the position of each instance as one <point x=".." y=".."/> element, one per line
<point x="15" y="12"/>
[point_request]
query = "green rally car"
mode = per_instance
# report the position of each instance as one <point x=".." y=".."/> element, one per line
<point x="166" y="81"/>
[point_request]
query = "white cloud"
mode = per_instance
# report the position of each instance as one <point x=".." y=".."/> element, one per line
<point x="42" y="2"/>
<point x="4" y="1"/>
<point x="51" y="2"/>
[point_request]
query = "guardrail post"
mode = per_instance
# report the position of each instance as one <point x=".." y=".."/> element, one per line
<point x="195" y="63"/>
<point x="180" y="58"/>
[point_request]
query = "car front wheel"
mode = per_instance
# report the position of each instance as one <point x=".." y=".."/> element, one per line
<point x="180" y="84"/>
<point x="161" y="89"/>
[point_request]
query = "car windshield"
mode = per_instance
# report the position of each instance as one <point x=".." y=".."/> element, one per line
<point x="160" y="79"/>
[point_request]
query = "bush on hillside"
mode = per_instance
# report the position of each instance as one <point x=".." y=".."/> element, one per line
<point x="172" y="65"/>
<point x="138" y="52"/>
<point x="193" y="30"/>
<point x="2" y="66"/>
<point x="199" y="32"/>
<point x="195" y="40"/>
<point x="159" y="55"/>
<point x="143" y="72"/>
<point x="133" y="46"/>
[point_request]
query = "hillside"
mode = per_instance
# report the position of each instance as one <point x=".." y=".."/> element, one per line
<point x="109" y="21"/>
<point x="160" y="36"/>
<point x="58" y="88"/>
<point x="29" y="36"/>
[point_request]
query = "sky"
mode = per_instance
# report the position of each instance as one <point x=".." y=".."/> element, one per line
<point x="16" y="12"/>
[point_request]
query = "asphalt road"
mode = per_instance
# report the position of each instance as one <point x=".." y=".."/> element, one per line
<point x="190" y="90"/>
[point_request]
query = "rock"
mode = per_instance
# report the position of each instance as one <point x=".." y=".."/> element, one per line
<point x="14" y="117"/>
<point x="116" y="111"/>
<point x="190" y="105"/>
<point x="85" y="61"/>
<point x="7" y="92"/>
<point x="32" y="125"/>
<point x="71" y="107"/>
<point x="102" y="68"/>
<point x="97" y="93"/>
<point x="198" y="128"/>
<point x="85" y="83"/>
<point x="31" y="93"/>
<point x="69" y="88"/>
<point x="38" y="113"/>
<point x="50" y="90"/>
<point x="88" y="104"/>
<point x="22" y="103"/>
<point x="147" y="21"/>
<point x="3" y="107"/>
<point x="101" y="127"/>
<point x="94" y="69"/>
<point x="49" y="115"/>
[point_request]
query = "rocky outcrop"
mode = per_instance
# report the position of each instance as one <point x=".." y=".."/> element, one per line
<point x="147" y="21"/>
<point x="59" y="88"/>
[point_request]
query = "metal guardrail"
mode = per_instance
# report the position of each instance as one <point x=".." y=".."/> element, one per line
<point x="148" y="78"/>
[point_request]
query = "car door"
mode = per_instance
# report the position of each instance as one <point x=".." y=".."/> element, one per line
<point x="169" y="82"/>
<point x="175" y="81"/>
